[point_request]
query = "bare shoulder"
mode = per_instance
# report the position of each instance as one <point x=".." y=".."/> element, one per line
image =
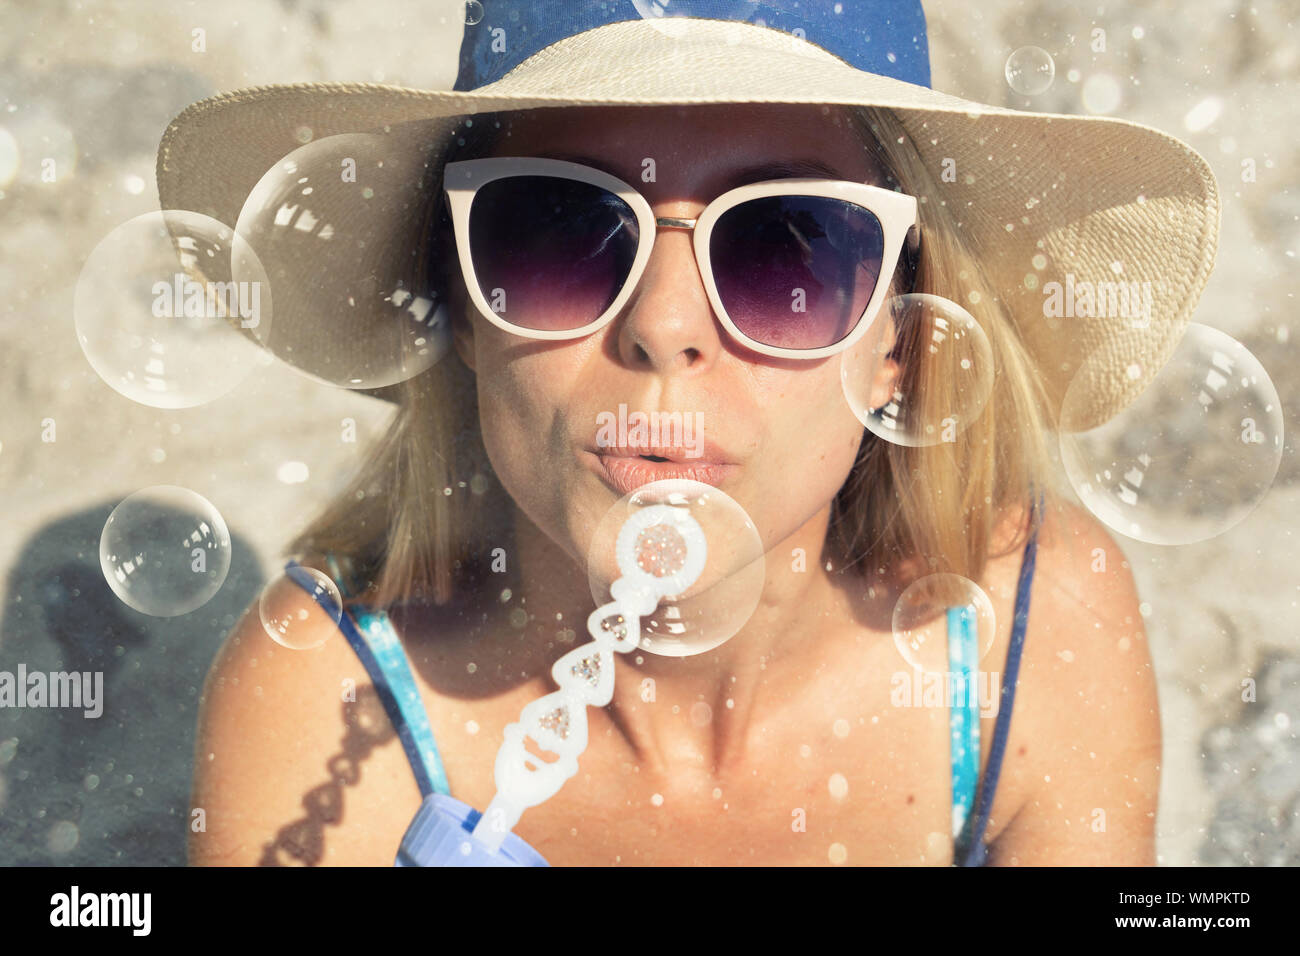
<point x="1083" y="756"/>
<point x="287" y="738"/>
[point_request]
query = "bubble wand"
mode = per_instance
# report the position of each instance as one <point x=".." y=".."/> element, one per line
<point x="660" y="551"/>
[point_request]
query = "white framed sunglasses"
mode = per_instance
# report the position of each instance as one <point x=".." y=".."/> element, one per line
<point x="794" y="268"/>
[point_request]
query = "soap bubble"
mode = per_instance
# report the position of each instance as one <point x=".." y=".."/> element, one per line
<point x="43" y="152"/>
<point x="659" y="11"/>
<point x="295" y="606"/>
<point x="936" y="610"/>
<point x="165" y="551"/>
<point x="154" y="323"/>
<point x="1192" y="456"/>
<point x="726" y="593"/>
<point x="666" y="15"/>
<point x="473" y="12"/>
<point x="1030" y="70"/>
<point x="905" y="400"/>
<point x="340" y="225"/>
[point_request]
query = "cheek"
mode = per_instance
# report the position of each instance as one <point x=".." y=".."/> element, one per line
<point x="808" y="413"/>
<point x="524" y="398"/>
<point x="812" y="439"/>
<point x="514" y="413"/>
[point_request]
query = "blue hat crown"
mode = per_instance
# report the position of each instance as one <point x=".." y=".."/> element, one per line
<point x="879" y="36"/>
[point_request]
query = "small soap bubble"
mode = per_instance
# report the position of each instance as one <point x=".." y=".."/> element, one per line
<point x="473" y="12"/>
<point x="1030" y="70"/>
<point x="165" y="551"/>
<point x="300" y="618"/>
<point x="934" y="617"/>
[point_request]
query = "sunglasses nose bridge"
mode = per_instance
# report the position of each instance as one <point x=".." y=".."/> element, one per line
<point x="672" y="222"/>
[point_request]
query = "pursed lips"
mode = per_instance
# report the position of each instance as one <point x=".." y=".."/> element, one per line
<point x="628" y="466"/>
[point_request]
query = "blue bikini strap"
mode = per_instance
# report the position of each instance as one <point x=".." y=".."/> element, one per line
<point x="376" y="643"/>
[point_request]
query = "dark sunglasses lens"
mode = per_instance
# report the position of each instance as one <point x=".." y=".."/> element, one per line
<point x="796" y="271"/>
<point x="550" y="254"/>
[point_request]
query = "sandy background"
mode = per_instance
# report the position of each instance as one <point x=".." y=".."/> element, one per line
<point x="95" y="83"/>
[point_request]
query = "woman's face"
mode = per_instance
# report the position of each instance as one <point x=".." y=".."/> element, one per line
<point x="777" y="434"/>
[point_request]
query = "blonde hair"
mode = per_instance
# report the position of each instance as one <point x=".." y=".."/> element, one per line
<point x="422" y="518"/>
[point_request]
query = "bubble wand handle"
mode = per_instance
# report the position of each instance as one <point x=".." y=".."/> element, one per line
<point x="661" y="552"/>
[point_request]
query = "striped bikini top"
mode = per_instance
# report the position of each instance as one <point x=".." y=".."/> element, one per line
<point x="371" y="635"/>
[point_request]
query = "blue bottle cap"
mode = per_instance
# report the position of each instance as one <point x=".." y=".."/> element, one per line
<point x="442" y="835"/>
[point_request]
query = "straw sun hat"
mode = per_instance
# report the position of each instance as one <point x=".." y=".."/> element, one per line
<point x="1041" y="198"/>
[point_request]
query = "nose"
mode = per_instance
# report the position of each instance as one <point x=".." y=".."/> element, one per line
<point x="668" y="324"/>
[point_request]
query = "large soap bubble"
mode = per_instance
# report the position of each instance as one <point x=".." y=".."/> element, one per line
<point x="343" y="227"/>
<point x="1191" y="456"/>
<point x="165" y="551"/>
<point x="922" y="372"/>
<point x="153" y="321"/>
<point x="726" y="593"/>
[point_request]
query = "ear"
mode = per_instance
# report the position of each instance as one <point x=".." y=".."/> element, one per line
<point x="888" y="371"/>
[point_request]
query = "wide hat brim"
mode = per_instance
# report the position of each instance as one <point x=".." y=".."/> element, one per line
<point x="1040" y="198"/>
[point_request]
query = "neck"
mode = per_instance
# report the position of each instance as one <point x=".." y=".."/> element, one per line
<point x="700" y="711"/>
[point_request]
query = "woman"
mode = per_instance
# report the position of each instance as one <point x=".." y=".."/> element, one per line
<point x="789" y="743"/>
